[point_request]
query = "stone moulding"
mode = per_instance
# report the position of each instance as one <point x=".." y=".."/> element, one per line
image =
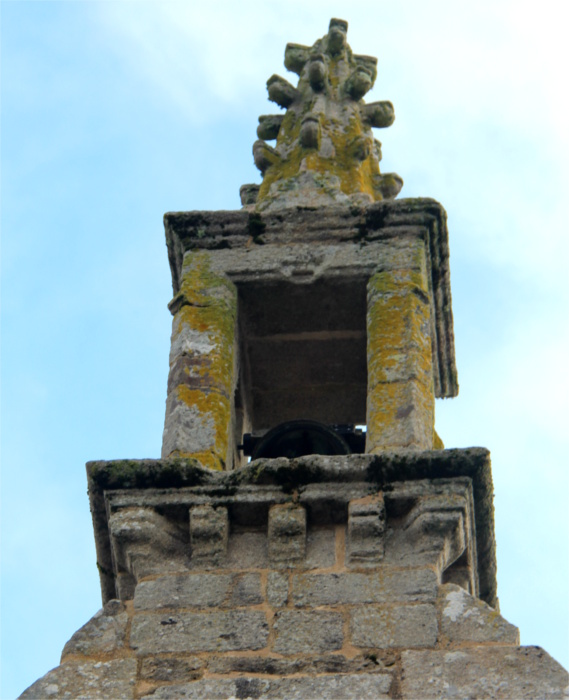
<point x="338" y="225"/>
<point x="439" y="501"/>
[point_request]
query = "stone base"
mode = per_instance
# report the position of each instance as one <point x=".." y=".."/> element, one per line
<point x="187" y="637"/>
<point x="324" y="577"/>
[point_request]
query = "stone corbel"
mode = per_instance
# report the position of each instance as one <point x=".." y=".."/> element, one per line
<point x="143" y="543"/>
<point x="437" y="530"/>
<point x="366" y="529"/>
<point x="287" y="535"/>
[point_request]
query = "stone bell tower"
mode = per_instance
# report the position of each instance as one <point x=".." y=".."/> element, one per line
<point x="323" y="298"/>
<point x="342" y="561"/>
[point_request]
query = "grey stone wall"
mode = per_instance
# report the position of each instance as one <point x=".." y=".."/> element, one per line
<point x="325" y="578"/>
<point x="288" y="634"/>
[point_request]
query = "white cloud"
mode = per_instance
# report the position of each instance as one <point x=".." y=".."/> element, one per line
<point x="477" y="89"/>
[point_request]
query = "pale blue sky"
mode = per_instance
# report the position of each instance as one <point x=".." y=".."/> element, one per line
<point x="116" y="112"/>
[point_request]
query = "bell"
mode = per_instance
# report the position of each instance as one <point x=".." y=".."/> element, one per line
<point x="304" y="437"/>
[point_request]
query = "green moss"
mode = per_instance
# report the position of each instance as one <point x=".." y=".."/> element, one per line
<point x="128" y="474"/>
<point x="256" y="227"/>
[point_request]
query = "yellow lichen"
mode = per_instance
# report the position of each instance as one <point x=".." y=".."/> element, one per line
<point x="211" y="405"/>
<point x="209" y="308"/>
<point x="400" y="373"/>
<point x="206" y="459"/>
<point x="438" y="444"/>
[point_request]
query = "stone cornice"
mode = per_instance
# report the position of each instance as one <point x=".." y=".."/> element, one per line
<point x="153" y="481"/>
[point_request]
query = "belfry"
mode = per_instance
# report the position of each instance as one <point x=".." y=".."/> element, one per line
<point x="304" y="534"/>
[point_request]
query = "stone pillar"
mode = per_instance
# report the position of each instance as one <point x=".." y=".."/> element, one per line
<point x="400" y="395"/>
<point x="202" y="378"/>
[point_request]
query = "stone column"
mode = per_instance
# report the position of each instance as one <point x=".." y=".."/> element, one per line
<point x="203" y="364"/>
<point x="400" y="394"/>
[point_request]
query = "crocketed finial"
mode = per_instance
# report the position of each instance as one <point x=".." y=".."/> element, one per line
<point x="325" y="151"/>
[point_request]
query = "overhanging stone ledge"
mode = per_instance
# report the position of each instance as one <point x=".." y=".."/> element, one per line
<point x="281" y="477"/>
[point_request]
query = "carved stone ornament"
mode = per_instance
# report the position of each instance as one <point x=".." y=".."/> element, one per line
<point x="325" y="150"/>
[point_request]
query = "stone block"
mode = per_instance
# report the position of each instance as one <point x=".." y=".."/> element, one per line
<point x="277" y="589"/>
<point x="435" y="532"/>
<point x="192" y="372"/>
<point x="287" y="534"/>
<point x="500" y="673"/>
<point x="386" y="586"/>
<point x="247" y="550"/>
<point x="331" y="687"/>
<point x="467" y="619"/>
<point x="189" y="342"/>
<point x="400" y="415"/>
<point x="320" y="548"/>
<point x="94" y="680"/>
<point x="171" y="668"/>
<point x="247" y="590"/>
<point x="202" y="362"/>
<point x="325" y="663"/>
<point x="437" y="524"/>
<point x="187" y="430"/>
<point x="209" y="531"/>
<point x="398" y="312"/>
<point x="366" y="527"/>
<point x="394" y="627"/>
<point x="103" y="634"/>
<point x="145" y="543"/>
<point x="199" y="631"/>
<point x="299" y="632"/>
<point x="402" y="365"/>
<point x="183" y="591"/>
<point x="125" y="586"/>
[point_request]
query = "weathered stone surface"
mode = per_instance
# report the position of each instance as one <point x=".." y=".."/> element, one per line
<point x="387" y="225"/>
<point x="186" y="429"/>
<point x="247" y="550"/>
<point x="361" y="687"/>
<point x="467" y="619"/>
<point x="96" y="680"/>
<point x="145" y="543"/>
<point x="397" y="626"/>
<point x="103" y="634"/>
<point x="366" y="527"/>
<point x="325" y="149"/>
<point x="327" y="663"/>
<point x="405" y="477"/>
<point x="171" y="668"/>
<point x="193" y="632"/>
<point x="247" y="590"/>
<point x="329" y="364"/>
<point x="400" y="410"/>
<point x="436" y="530"/>
<point x="287" y="534"/>
<point x="183" y="591"/>
<point x="277" y="589"/>
<point x="500" y="673"/>
<point x="202" y="368"/>
<point x="209" y="532"/>
<point x="299" y="632"/>
<point x="357" y="588"/>
<point x="320" y="548"/>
